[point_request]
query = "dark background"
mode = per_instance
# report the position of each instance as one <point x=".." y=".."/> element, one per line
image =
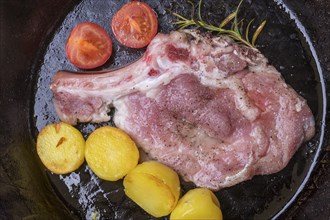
<point x="24" y="27"/>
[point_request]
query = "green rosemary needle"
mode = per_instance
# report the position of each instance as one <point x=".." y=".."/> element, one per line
<point x="233" y="32"/>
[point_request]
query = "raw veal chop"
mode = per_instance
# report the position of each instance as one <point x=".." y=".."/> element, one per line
<point x="211" y="109"/>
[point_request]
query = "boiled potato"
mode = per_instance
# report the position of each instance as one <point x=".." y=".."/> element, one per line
<point x="110" y="153"/>
<point x="199" y="203"/>
<point x="61" y="147"/>
<point x="154" y="187"/>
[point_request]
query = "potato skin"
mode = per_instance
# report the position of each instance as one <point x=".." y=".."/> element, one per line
<point x="199" y="203"/>
<point x="61" y="148"/>
<point x="111" y="153"/>
<point x="154" y="187"/>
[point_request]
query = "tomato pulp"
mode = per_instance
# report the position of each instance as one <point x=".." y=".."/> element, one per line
<point x="135" y="24"/>
<point x="88" y="46"/>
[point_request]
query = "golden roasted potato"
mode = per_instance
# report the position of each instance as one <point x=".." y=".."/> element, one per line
<point x="154" y="187"/>
<point x="111" y="153"/>
<point x="199" y="203"/>
<point x="61" y="147"/>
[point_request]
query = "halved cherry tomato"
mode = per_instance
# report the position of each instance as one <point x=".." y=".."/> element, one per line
<point x="135" y="24"/>
<point x="88" y="46"/>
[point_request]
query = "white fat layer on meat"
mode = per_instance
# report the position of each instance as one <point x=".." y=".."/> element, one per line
<point x="242" y="175"/>
<point x="121" y="112"/>
<point x="310" y="123"/>
<point x="241" y="100"/>
<point x="283" y="136"/>
<point x="263" y="67"/>
<point x="299" y="104"/>
<point x="166" y="65"/>
<point x="102" y="114"/>
<point x="258" y="135"/>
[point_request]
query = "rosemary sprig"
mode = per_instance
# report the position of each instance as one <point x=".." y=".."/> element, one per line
<point x="234" y="32"/>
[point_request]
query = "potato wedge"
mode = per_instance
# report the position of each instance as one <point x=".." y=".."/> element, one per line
<point x="61" y="147"/>
<point x="154" y="187"/>
<point x="111" y="153"/>
<point x="199" y="203"/>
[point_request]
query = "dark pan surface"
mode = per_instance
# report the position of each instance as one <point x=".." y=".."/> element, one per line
<point x="284" y="41"/>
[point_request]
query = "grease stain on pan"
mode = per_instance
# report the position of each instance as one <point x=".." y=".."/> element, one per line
<point x="85" y="199"/>
<point x="263" y="197"/>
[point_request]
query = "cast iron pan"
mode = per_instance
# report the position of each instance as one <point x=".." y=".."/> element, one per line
<point x="33" y="36"/>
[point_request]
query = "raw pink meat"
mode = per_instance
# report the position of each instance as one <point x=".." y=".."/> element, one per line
<point x="211" y="109"/>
